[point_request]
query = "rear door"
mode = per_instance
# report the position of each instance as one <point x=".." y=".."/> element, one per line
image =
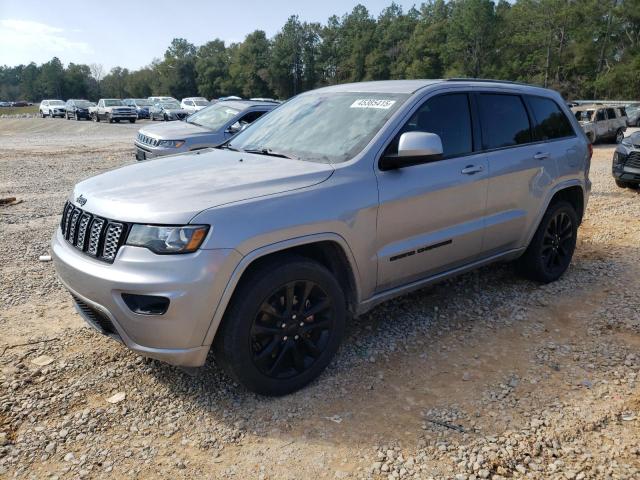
<point x="602" y="124"/>
<point x="522" y="164"/>
<point x="431" y="215"/>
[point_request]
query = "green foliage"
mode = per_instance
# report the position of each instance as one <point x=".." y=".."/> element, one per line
<point x="583" y="48"/>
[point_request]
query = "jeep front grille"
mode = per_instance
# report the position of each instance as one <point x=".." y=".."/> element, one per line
<point x="98" y="237"/>
<point x="153" y="142"/>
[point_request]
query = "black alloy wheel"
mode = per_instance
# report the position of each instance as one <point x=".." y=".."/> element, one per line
<point x="557" y="242"/>
<point x="551" y="249"/>
<point x="283" y="326"/>
<point x="291" y="329"/>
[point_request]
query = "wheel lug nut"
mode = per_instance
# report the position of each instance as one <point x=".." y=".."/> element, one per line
<point x="302" y="324"/>
<point x="284" y="325"/>
<point x="296" y="337"/>
<point x="285" y="338"/>
<point x="293" y="317"/>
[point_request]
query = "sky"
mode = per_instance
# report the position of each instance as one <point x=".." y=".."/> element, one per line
<point x="130" y="33"/>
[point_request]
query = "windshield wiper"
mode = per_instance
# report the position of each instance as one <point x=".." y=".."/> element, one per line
<point x="228" y="146"/>
<point x="271" y="153"/>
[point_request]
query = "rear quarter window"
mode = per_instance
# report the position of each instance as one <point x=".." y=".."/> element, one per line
<point x="550" y="120"/>
<point x="504" y="120"/>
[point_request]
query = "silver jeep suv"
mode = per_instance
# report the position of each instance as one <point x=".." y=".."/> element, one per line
<point x="338" y="200"/>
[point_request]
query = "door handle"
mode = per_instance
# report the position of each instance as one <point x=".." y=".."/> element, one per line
<point x="471" y="169"/>
<point x="541" y="155"/>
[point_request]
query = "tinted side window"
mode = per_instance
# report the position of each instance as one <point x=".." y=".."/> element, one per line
<point x="600" y="116"/>
<point x="251" y="117"/>
<point x="551" y="122"/>
<point x="446" y="115"/>
<point x="504" y="120"/>
<point x="611" y="113"/>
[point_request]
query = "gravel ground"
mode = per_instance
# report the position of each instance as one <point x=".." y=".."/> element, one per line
<point x="483" y="376"/>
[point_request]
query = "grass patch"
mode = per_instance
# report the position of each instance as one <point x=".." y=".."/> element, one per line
<point x="18" y="110"/>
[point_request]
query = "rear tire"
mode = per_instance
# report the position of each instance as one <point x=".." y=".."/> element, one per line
<point x="549" y="254"/>
<point x="619" y="136"/>
<point x="269" y="340"/>
<point x="132" y="120"/>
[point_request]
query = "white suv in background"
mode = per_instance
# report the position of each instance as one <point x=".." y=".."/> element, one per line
<point x="52" y="108"/>
<point x="155" y="100"/>
<point x="193" y="104"/>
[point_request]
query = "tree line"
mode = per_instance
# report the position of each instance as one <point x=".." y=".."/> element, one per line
<point x="583" y="48"/>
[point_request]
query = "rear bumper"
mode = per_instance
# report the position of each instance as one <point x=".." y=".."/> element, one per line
<point x="193" y="283"/>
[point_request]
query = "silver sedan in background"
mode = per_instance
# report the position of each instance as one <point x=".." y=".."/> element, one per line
<point x="167" y="111"/>
<point x="208" y="127"/>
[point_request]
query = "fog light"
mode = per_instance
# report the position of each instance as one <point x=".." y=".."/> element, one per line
<point x="146" y="304"/>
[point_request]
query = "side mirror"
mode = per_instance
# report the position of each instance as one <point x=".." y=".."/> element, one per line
<point x="414" y="148"/>
<point x="233" y="129"/>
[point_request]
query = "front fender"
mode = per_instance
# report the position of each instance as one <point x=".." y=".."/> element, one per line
<point x="261" y="252"/>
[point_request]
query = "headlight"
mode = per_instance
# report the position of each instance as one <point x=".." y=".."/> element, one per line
<point x="162" y="240"/>
<point x="171" y="143"/>
<point x="627" y="142"/>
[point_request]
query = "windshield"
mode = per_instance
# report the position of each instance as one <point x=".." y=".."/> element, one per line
<point x="213" y="117"/>
<point x="113" y="103"/>
<point x="322" y="126"/>
<point x="201" y="103"/>
<point x="83" y="103"/>
<point x="142" y="103"/>
<point x="56" y="102"/>
<point x="584" y="115"/>
<point x="169" y="105"/>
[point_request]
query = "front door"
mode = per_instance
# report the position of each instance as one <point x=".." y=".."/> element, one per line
<point x="431" y="216"/>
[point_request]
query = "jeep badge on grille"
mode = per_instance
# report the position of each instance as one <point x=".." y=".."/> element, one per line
<point x="81" y="200"/>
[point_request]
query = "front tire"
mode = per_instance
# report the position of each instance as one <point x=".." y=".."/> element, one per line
<point x="132" y="120"/>
<point x="283" y="326"/>
<point x="619" y="136"/>
<point x="549" y="254"/>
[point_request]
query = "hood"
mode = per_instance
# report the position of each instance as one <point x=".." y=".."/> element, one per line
<point x="174" y="131"/>
<point x="171" y="190"/>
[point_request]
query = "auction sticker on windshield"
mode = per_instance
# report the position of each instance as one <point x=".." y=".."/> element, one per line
<point x="373" y="103"/>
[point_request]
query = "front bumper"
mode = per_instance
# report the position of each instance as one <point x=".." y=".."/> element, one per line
<point x="146" y="152"/>
<point x="125" y="116"/>
<point x="627" y="170"/>
<point x="194" y="284"/>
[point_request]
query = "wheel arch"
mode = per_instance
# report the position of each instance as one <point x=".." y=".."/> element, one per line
<point x="329" y="249"/>
<point x="573" y="192"/>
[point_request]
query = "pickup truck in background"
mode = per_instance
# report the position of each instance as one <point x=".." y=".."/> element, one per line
<point x="112" y="110"/>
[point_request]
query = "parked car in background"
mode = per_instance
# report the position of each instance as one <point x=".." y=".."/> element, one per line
<point x="162" y="99"/>
<point x="52" y="108"/>
<point x="206" y="128"/>
<point x="113" y="110"/>
<point x="602" y="122"/>
<point x="20" y="103"/>
<point x="626" y="162"/>
<point x="336" y="201"/>
<point x="78" y="109"/>
<point x="633" y="115"/>
<point x="193" y="104"/>
<point x="230" y="97"/>
<point x="167" y="111"/>
<point x="5" y="104"/>
<point x="142" y="106"/>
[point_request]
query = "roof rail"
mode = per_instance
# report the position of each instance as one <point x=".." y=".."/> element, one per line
<point x="486" y="80"/>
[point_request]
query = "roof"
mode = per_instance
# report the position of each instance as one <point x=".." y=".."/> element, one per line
<point x="593" y="106"/>
<point x="412" y="86"/>
<point x="244" y="104"/>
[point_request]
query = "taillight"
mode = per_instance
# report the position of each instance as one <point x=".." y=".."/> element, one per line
<point x="590" y="150"/>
